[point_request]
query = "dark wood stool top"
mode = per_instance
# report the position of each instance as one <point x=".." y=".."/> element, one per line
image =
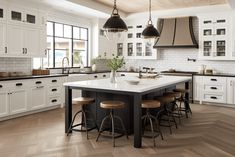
<point x="177" y="95"/>
<point x="112" y="104"/>
<point x="83" y="100"/>
<point x="150" y="104"/>
<point x="165" y="99"/>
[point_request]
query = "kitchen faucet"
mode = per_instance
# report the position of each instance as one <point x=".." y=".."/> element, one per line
<point x="63" y="67"/>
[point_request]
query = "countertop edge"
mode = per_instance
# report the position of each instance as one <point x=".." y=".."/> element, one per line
<point x="31" y="77"/>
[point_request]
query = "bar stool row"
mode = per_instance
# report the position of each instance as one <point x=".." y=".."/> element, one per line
<point x="168" y="110"/>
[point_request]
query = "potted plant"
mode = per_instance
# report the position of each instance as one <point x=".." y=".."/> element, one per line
<point x="114" y="64"/>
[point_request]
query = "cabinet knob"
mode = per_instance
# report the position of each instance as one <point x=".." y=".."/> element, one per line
<point x="213" y="97"/>
<point x="5" y="49"/>
<point x="19" y="84"/>
<point x="1" y="86"/>
<point x="54" y="81"/>
<point x="23" y="51"/>
<point x="104" y="75"/>
<point x="38" y="82"/>
<point x="54" y="100"/>
<point x="213" y="87"/>
<point x="54" y="90"/>
<point x="213" y="79"/>
<point x="95" y="76"/>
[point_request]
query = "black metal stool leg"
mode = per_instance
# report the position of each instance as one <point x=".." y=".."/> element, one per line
<point x="101" y="126"/>
<point x="152" y="130"/>
<point x="123" y="126"/>
<point x="71" y="125"/>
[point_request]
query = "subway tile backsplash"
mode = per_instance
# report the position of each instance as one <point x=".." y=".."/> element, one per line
<point x="16" y="65"/>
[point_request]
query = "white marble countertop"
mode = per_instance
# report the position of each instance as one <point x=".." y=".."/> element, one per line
<point x="122" y="85"/>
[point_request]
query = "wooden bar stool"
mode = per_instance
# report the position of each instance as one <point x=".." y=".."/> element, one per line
<point x="177" y="96"/>
<point x="165" y="102"/>
<point x="83" y="101"/>
<point x="151" y="104"/>
<point x="182" y="99"/>
<point x="112" y="105"/>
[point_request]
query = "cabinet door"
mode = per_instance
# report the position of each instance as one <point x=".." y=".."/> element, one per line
<point x="15" y="40"/>
<point x="18" y="101"/>
<point x="31" y="41"/>
<point x="38" y="98"/>
<point x="3" y="48"/>
<point x="197" y="90"/>
<point x="43" y="43"/>
<point x="231" y="91"/>
<point x="4" y="108"/>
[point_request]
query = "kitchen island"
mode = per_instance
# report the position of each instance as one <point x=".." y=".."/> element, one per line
<point x="132" y="95"/>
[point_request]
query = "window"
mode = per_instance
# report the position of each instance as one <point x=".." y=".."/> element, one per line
<point x="66" y="41"/>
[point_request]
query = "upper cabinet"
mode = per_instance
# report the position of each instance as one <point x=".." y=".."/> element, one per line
<point x="22" y="32"/>
<point x="214" y="36"/>
<point x="17" y="15"/>
<point x="132" y="46"/>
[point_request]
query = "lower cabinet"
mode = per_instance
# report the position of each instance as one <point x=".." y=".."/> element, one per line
<point x="18" y="101"/>
<point x="30" y="95"/>
<point x="38" y="97"/>
<point x="231" y="90"/>
<point x="220" y="90"/>
<point x="4" y="107"/>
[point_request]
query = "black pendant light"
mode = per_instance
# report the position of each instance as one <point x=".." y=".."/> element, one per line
<point x="150" y="31"/>
<point x="115" y="23"/>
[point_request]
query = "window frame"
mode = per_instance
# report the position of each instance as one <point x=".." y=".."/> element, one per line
<point x="72" y="45"/>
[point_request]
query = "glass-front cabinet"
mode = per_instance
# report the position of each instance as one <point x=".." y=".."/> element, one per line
<point x="17" y="16"/>
<point x="214" y="38"/>
<point x="2" y="13"/>
<point x="133" y="46"/>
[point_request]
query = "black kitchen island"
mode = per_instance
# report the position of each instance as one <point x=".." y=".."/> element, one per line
<point x="130" y="94"/>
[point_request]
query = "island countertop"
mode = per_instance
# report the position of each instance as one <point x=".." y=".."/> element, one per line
<point x="122" y="85"/>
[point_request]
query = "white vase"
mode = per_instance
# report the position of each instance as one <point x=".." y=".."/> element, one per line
<point x="93" y="67"/>
<point x="113" y="76"/>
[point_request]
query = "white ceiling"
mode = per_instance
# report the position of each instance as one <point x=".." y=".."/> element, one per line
<point x="135" y="6"/>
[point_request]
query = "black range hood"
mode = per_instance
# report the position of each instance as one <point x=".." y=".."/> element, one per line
<point x="176" y="33"/>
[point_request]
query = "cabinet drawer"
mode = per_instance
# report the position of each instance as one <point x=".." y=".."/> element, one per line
<point x="54" y="101"/>
<point x="55" y="81"/>
<point x="215" y="88"/>
<point x="54" y="91"/>
<point x="217" y="98"/>
<point x="214" y="80"/>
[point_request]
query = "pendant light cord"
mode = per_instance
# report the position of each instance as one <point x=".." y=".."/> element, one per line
<point x="115" y="8"/>
<point x="150" y="17"/>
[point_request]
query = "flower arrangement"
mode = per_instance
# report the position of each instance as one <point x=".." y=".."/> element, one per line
<point x="115" y="63"/>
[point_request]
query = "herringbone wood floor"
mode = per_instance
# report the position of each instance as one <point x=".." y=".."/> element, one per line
<point x="209" y="133"/>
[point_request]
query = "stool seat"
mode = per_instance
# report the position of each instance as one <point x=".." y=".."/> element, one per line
<point x="83" y="100"/>
<point x="177" y="95"/>
<point x="112" y="104"/>
<point x="150" y="104"/>
<point x="165" y="99"/>
<point x="182" y="91"/>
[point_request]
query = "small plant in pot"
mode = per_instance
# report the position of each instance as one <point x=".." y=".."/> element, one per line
<point x="114" y="64"/>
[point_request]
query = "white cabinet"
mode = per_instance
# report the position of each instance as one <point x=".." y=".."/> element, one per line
<point x="4" y="107"/>
<point x="42" y="43"/>
<point x="19" y="15"/>
<point x="18" y="101"/>
<point x="15" y="40"/>
<point x="214" y="89"/>
<point x="132" y="46"/>
<point x="31" y="41"/>
<point x="22" y="32"/>
<point x="231" y="90"/>
<point x="3" y="46"/>
<point x="197" y="85"/>
<point x="214" y="35"/>
<point x="38" y="95"/>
